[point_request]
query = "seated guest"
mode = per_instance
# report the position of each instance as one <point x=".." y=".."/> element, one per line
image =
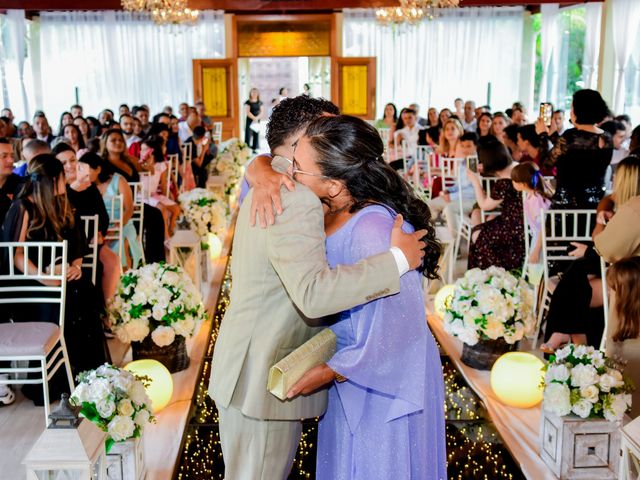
<point x="570" y="316"/>
<point x="518" y="116"/>
<point x="65" y="119"/>
<point x="42" y="213"/>
<point x="444" y="115"/>
<point x="533" y="150"/>
<point x="420" y="120"/>
<point x="185" y="128"/>
<point x="73" y="137"/>
<point x="42" y="129"/>
<point x="510" y="139"/>
<point x="468" y="121"/>
<point x="623" y="332"/>
<point x="432" y="118"/>
<point x="205" y="120"/>
<point x="110" y="184"/>
<point x="25" y="130"/>
<point x="557" y="126"/>
<point x="450" y="136"/>
<point x="500" y="241"/>
<point x="484" y="124"/>
<point x="142" y="114"/>
<point x="123" y="109"/>
<point x="105" y="117"/>
<point x="429" y="137"/>
<point x="34" y="148"/>
<point x="76" y="111"/>
<point x="618" y="132"/>
<point x="468" y="144"/>
<point x="95" y="128"/>
<point x="86" y="200"/>
<point x="407" y="131"/>
<point x="83" y="126"/>
<point x="126" y="125"/>
<point x="201" y="156"/>
<point x="153" y="150"/>
<point x="389" y="118"/>
<point x="499" y="122"/>
<point x="10" y="183"/>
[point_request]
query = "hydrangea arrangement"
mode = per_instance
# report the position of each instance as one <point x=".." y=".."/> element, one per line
<point x="580" y="380"/>
<point x="115" y="400"/>
<point x="232" y="157"/>
<point x="488" y="305"/>
<point x="157" y="299"/>
<point x="206" y="214"/>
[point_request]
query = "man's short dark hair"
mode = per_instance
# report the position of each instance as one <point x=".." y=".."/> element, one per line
<point x="623" y="118"/>
<point x="558" y="111"/>
<point x="469" y="137"/>
<point x="410" y="111"/>
<point x="294" y="114"/>
<point x="62" y="147"/>
<point x="511" y="131"/>
<point x="75" y="105"/>
<point x="528" y="133"/>
<point x="124" y="115"/>
<point x="613" y="126"/>
<point x="5" y="141"/>
<point x="198" y="132"/>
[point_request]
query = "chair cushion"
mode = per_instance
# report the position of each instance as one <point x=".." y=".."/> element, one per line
<point x="28" y="338"/>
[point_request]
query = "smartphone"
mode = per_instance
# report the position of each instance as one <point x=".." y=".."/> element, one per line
<point x="472" y="163"/>
<point x="546" y="112"/>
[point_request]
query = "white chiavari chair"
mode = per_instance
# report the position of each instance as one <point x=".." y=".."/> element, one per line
<point x="488" y="183"/>
<point x="42" y="342"/>
<point x="559" y="228"/>
<point x="605" y="303"/>
<point x="420" y="171"/>
<point x="464" y="222"/>
<point x="173" y="173"/>
<point x="216" y="132"/>
<point x="90" y="260"/>
<point x="384" y="135"/>
<point x="115" y="209"/>
<point x="187" y="152"/>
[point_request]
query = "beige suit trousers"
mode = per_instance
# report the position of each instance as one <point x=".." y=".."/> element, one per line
<point x="256" y="449"/>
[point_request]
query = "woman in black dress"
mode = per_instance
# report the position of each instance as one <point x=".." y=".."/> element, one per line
<point x="253" y="110"/>
<point x="41" y="213"/>
<point x="581" y="155"/>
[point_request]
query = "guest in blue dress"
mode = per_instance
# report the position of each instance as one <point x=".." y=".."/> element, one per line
<point x="385" y="417"/>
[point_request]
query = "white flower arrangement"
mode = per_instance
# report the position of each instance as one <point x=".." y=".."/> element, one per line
<point x="115" y="400"/>
<point x="157" y="299"/>
<point x="490" y="304"/>
<point x="232" y="157"/>
<point x="580" y="380"/>
<point x="206" y="213"/>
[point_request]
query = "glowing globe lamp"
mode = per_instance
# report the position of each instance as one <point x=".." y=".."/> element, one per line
<point x="443" y="299"/>
<point x="516" y="378"/>
<point x="215" y="246"/>
<point x="160" y="388"/>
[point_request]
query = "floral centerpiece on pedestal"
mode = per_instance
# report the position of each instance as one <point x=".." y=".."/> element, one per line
<point x="490" y="310"/>
<point x="115" y="400"/>
<point x="580" y="380"/>
<point x="231" y="160"/>
<point x="206" y="213"/>
<point x="156" y="307"/>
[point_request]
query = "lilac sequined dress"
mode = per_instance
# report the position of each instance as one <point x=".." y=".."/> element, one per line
<point x="387" y="420"/>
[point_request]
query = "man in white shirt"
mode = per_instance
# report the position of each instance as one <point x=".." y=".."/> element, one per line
<point x="185" y="129"/>
<point x="469" y="122"/>
<point x="126" y="124"/>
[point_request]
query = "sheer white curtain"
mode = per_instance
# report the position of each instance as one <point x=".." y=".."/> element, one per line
<point x="463" y="53"/>
<point x="626" y="14"/>
<point x="115" y="57"/>
<point x="592" y="20"/>
<point x="12" y="55"/>
<point x="549" y="45"/>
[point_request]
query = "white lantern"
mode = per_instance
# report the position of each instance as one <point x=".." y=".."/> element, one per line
<point x="70" y="448"/>
<point x="184" y="251"/>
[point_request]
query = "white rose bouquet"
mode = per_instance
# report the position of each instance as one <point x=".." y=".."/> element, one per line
<point x="232" y="157"/>
<point x="115" y="400"/>
<point x="157" y="299"/>
<point x="206" y="214"/>
<point x="580" y="380"/>
<point x="490" y="304"/>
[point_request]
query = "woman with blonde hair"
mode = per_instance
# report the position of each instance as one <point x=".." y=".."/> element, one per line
<point x="450" y="138"/>
<point x="616" y="236"/>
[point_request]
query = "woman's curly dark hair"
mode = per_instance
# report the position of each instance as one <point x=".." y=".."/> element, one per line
<point x="350" y="150"/>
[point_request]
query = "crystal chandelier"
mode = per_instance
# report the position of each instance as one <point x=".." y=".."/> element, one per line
<point x="164" y="12"/>
<point x="412" y="11"/>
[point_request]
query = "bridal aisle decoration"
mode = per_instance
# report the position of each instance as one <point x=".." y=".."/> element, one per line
<point x="205" y="213"/>
<point x="156" y="307"/>
<point x="490" y="310"/>
<point x="585" y="400"/>
<point x="233" y="156"/>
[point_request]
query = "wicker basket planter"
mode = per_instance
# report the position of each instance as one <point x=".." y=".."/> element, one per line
<point x="483" y="354"/>
<point x="174" y="356"/>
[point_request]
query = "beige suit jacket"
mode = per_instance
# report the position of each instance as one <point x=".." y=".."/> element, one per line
<point x="280" y="280"/>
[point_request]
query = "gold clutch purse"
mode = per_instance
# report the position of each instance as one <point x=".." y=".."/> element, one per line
<point x="316" y="351"/>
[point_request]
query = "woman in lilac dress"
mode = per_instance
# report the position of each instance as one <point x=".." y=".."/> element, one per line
<point x="385" y="417"/>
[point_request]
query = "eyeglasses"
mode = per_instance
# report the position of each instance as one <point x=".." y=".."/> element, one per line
<point x="295" y="168"/>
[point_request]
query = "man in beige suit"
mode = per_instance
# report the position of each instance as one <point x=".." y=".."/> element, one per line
<point x="281" y="280"/>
